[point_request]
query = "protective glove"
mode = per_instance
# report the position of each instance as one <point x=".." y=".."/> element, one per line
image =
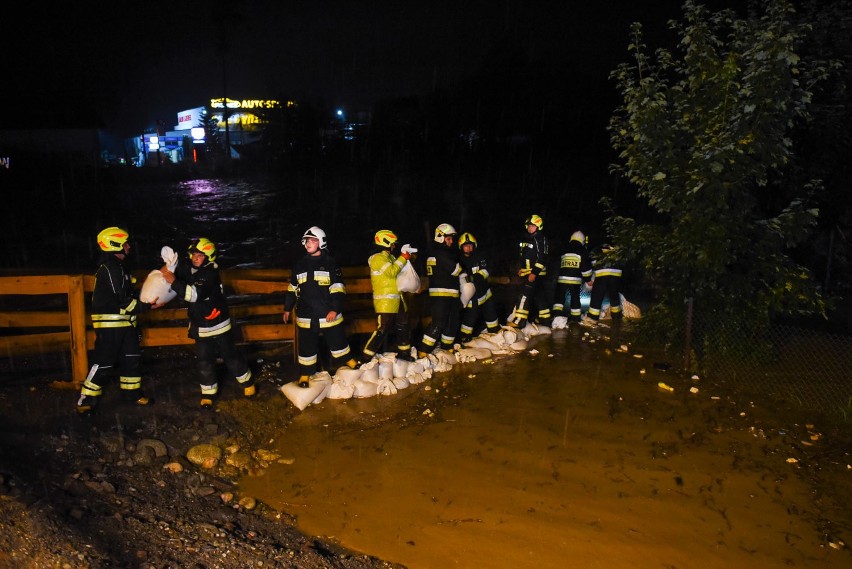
<point x="408" y="249"/>
<point x="170" y="258"/>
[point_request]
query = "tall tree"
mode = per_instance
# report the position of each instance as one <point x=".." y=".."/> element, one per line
<point x="703" y="136"/>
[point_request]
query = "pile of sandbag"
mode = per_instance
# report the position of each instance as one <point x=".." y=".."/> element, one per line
<point x="386" y="374"/>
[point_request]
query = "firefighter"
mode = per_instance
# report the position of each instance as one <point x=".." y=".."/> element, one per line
<point x="606" y="282"/>
<point x="199" y="284"/>
<point x="316" y="289"/>
<point x="475" y="265"/>
<point x="115" y="306"/>
<point x="534" y="290"/>
<point x="389" y="304"/>
<point x="575" y="268"/>
<point x="445" y="275"/>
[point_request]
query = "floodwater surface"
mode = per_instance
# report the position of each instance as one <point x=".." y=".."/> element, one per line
<point x="572" y="457"/>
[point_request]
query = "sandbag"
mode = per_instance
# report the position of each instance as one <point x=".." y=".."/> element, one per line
<point x="401" y="382"/>
<point x="343" y="384"/>
<point x="400" y="367"/>
<point x="385" y="366"/>
<point x="408" y="280"/>
<point x="510" y="336"/>
<point x="365" y="388"/>
<point x="480" y="342"/>
<point x="370" y="371"/>
<point x="386" y="387"/>
<point x="466" y="292"/>
<point x="301" y="397"/>
<point x="156" y="287"/>
<point x="520" y="345"/>
<point x="473" y="354"/>
<point x="560" y="322"/>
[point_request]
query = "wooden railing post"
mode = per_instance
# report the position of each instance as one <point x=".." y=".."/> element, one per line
<point x="77" y="316"/>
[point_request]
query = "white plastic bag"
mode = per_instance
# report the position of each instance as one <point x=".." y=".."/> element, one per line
<point x="408" y="280"/>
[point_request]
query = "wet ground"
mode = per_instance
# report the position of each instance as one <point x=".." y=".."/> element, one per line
<point x="575" y="457"/>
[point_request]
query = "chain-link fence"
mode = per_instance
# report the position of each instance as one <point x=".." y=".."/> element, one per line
<point x="810" y="368"/>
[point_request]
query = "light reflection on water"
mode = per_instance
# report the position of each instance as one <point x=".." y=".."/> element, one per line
<point x="575" y="460"/>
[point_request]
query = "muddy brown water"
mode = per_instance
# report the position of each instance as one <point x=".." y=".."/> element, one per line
<point x="569" y="458"/>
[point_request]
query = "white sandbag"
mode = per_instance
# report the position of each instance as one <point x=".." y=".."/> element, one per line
<point x="443" y="366"/>
<point x="415" y="378"/>
<point x="466" y="292"/>
<point x="428" y="362"/>
<point x="544" y="330"/>
<point x="324" y="378"/>
<point x="520" y="345"/>
<point x="343" y="383"/>
<point x="401" y="382"/>
<point x="408" y="280"/>
<point x="370" y="372"/>
<point x="386" y="367"/>
<point x="474" y="353"/>
<point x="481" y="343"/>
<point x="530" y="330"/>
<point x="156" y="287"/>
<point x="443" y="356"/>
<point x="386" y="387"/>
<point x="400" y="367"/>
<point x="365" y="388"/>
<point x="301" y="397"/>
<point x="560" y="322"/>
<point x="510" y="336"/>
<point x="629" y="309"/>
<point x="341" y="390"/>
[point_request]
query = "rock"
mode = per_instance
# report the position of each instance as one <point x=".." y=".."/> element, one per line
<point x="158" y="446"/>
<point x="266" y="455"/>
<point x="238" y="459"/>
<point x="247" y="503"/>
<point x="144" y="456"/>
<point x="173" y="467"/>
<point x="200" y="455"/>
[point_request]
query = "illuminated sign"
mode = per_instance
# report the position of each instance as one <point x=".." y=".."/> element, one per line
<point x="190" y="118"/>
<point x="222" y="103"/>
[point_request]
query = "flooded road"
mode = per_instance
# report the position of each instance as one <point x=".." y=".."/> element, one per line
<point x="569" y="458"/>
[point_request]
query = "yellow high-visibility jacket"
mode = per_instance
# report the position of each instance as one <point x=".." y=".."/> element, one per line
<point x="384" y="269"/>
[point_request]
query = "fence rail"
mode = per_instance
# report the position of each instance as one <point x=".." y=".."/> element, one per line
<point x="47" y="313"/>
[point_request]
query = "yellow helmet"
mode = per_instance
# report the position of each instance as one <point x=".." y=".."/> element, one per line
<point x="579" y="236"/>
<point x="535" y="220"/>
<point x="444" y="230"/>
<point x="203" y="245"/>
<point x="385" y="238"/>
<point x="467" y="238"/>
<point x="112" y="239"/>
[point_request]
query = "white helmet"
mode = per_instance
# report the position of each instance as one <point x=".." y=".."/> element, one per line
<point x="444" y="230"/>
<point x="578" y="236"/>
<point x="316" y="233"/>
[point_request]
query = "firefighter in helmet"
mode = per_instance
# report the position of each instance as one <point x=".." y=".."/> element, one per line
<point x="389" y="304"/>
<point x="317" y="291"/>
<point x="199" y="284"/>
<point x="115" y="306"/>
<point x="575" y="268"/>
<point x="475" y="264"/>
<point x="444" y="272"/>
<point x="533" y="297"/>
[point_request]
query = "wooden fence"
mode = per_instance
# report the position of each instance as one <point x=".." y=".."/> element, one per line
<point x="49" y="313"/>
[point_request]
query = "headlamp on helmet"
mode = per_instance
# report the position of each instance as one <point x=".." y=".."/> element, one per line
<point x="467" y="238"/>
<point x="444" y="230"/>
<point x="317" y="234"/>
<point x="112" y="239"/>
<point x="204" y="246"/>
<point x="385" y="238"/>
<point x="535" y="220"/>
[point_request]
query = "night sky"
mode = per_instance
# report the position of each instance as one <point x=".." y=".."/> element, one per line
<point x="132" y="64"/>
